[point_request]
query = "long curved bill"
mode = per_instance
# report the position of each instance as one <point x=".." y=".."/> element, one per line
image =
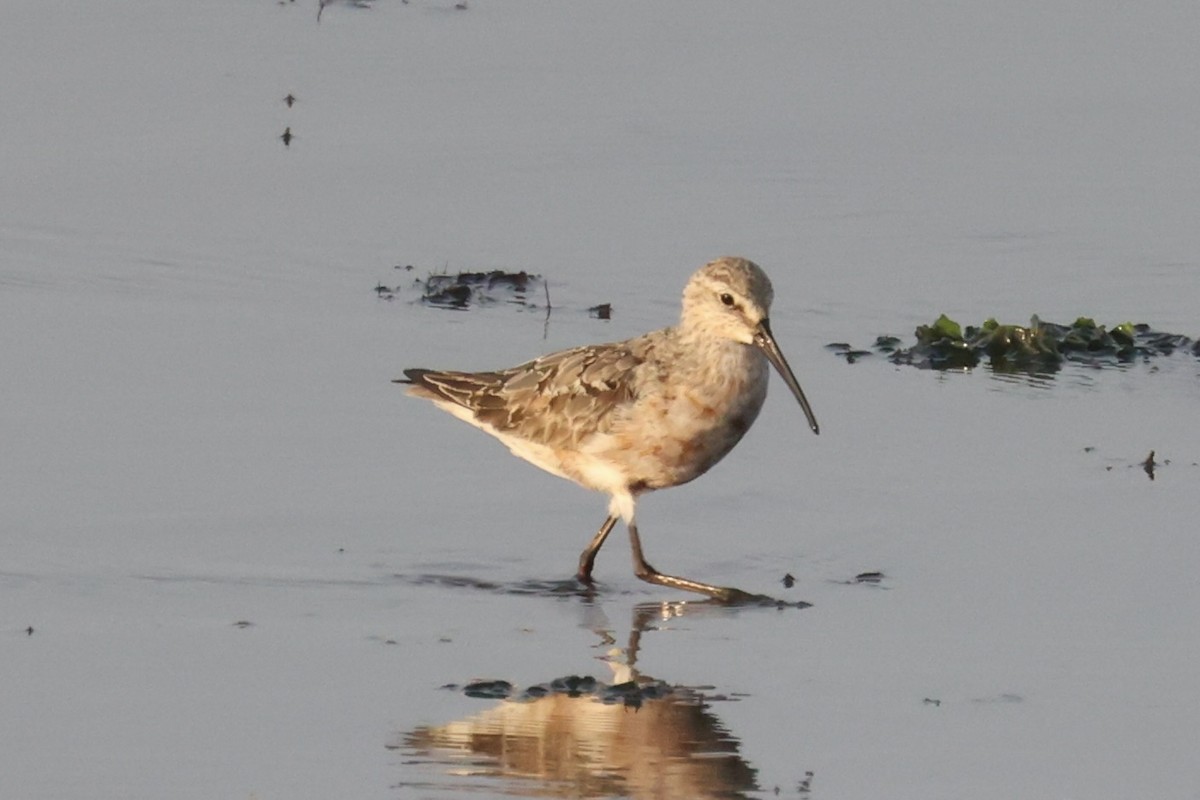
<point x="765" y="341"/>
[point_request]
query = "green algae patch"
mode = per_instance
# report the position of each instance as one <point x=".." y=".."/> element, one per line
<point x="1039" y="347"/>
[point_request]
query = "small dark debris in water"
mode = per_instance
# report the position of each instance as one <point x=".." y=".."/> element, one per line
<point x="602" y="311"/>
<point x="789" y="580"/>
<point x="242" y="623"/>
<point x="287" y="136"/>
<point x="1037" y="349"/>
<point x="844" y="350"/>
<point x="405" y="267"/>
<point x="29" y="631"/>
<point x="1089" y="449"/>
<point x="290" y="99"/>
<point x="445" y="640"/>
<point x="886" y="344"/>
<point x="929" y="701"/>
<point x="488" y="690"/>
<point x="805" y="786"/>
<point x="868" y="577"/>
<point x="352" y="3"/>
<point x="461" y="5"/>
<point x="1149" y="464"/>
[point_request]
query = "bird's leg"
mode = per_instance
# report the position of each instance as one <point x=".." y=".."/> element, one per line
<point x="588" y="557"/>
<point x="643" y="570"/>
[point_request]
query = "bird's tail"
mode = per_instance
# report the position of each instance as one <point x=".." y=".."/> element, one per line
<point x="413" y="376"/>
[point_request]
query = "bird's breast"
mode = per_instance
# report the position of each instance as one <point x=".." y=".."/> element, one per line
<point x="689" y="418"/>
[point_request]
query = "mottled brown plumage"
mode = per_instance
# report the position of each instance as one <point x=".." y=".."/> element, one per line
<point x="556" y="400"/>
<point x="647" y="413"/>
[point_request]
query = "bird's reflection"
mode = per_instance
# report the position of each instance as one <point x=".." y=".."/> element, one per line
<point x="625" y="734"/>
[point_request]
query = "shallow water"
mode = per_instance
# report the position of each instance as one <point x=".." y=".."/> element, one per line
<point x="238" y="562"/>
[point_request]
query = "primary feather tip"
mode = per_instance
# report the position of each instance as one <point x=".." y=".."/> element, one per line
<point x="415" y="376"/>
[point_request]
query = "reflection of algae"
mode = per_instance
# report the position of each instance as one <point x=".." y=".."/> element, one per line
<point x="1040" y="348"/>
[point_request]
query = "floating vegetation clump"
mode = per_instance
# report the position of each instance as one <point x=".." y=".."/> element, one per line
<point x="462" y="290"/>
<point x="1040" y="347"/>
<point x="465" y="288"/>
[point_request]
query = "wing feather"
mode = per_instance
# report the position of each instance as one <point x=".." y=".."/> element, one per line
<point x="555" y="400"/>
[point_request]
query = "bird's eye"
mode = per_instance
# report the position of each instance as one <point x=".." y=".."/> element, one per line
<point x="727" y="299"/>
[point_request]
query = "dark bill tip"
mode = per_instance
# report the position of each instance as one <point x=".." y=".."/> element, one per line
<point x="766" y="342"/>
